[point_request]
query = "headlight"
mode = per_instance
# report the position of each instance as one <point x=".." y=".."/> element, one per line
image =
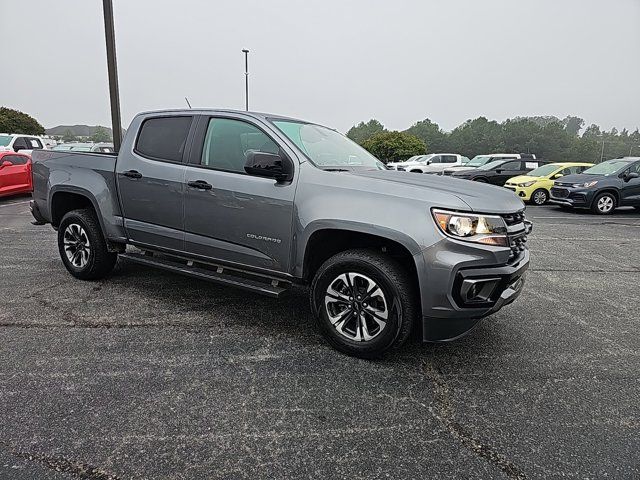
<point x="487" y="229"/>
<point x="585" y="184"/>
<point x="527" y="184"/>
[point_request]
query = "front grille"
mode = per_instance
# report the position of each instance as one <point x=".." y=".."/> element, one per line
<point x="516" y="233"/>
<point x="559" y="192"/>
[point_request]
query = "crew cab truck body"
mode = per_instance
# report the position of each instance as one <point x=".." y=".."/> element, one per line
<point x="262" y="202"/>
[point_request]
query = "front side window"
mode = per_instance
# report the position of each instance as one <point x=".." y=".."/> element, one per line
<point x="511" y="166"/>
<point x="227" y="142"/>
<point x="327" y="148"/>
<point x="20" y="142"/>
<point x="163" y="138"/>
<point x="436" y="159"/>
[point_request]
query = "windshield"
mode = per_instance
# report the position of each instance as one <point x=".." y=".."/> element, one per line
<point x="327" y="148"/>
<point x="543" y="171"/>
<point x="490" y="165"/>
<point x="478" y="161"/>
<point x="5" y="140"/>
<point x="607" y="168"/>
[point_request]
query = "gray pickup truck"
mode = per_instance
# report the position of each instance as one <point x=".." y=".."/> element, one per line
<point x="263" y="202"/>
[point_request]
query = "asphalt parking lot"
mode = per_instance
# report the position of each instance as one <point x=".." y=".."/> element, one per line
<point x="153" y="375"/>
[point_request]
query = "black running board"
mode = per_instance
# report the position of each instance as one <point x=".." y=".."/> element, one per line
<point x="222" y="276"/>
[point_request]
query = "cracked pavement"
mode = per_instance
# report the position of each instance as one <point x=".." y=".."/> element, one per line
<point x="152" y="375"/>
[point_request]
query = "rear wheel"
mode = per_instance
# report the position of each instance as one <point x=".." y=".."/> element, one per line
<point x="364" y="302"/>
<point x="604" y="204"/>
<point x="540" y="197"/>
<point x="82" y="246"/>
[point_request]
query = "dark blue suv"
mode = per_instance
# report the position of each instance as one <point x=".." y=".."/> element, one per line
<point x="601" y="188"/>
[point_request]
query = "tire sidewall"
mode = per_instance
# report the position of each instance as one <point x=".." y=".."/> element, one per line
<point x="67" y="220"/>
<point x="597" y="198"/>
<point x="325" y="276"/>
<point x="546" y="196"/>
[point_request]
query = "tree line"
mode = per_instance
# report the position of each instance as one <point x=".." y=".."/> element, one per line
<point x="546" y="136"/>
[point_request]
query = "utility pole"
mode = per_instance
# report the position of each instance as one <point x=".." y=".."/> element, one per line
<point x="246" y="79"/>
<point x="114" y="94"/>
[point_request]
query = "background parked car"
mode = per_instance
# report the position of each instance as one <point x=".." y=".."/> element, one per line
<point x="15" y="173"/>
<point x="20" y="143"/>
<point x="601" y="188"/>
<point x="480" y="160"/>
<point x="499" y="171"/>
<point x="536" y="185"/>
<point x="85" y="147"/>
<point x="431" y="163"/>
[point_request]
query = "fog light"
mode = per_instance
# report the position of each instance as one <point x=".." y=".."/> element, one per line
<point x="478" y="290"/>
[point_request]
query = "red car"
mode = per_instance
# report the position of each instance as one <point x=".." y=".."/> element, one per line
<point x="15" y="173"/>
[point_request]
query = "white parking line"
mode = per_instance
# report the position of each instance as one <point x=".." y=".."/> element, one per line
<point x="14" y="203"/>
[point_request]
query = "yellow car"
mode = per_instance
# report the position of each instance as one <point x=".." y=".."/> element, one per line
<point x="534" y="187"/>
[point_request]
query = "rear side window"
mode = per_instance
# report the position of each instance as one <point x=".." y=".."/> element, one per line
<point x="450" y="159"/>
<point x="35" y="143"/>
<point x="164" y="138"/>
<point x="16" y="159"/>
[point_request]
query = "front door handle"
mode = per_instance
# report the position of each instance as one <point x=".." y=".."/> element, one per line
<point x="132" y="174"/>
<point x="200" y="184"/>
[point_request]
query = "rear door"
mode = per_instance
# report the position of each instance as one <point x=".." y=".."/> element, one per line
<point x="17" y="176"/>
<point x="151" y="182"/>
<point x="229" y="215"/>
<point x="631" y="189"/>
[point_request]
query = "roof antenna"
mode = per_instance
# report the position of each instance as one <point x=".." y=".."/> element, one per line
<point x="187" y="100"/>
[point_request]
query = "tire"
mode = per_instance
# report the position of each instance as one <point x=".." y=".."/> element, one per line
<point x="395" y="301"/>
<point x="82" y="246"/>
<point x="604" y="204"/>
<point x="540" y="197"/>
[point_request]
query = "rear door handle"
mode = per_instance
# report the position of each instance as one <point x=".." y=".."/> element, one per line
<point x="132" y="174"/>
<point x="200" y="184"/>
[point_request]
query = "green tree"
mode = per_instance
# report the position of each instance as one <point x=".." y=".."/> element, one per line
<point x="14" y="121"/>
<point x="68" y="136"/>
<point x="363" y="131"/>
<point x="394" y="146"/>
<point x="573" y="125"/>
<point x="476" y="137"/>
<point x="100" y="134"/>
<point x="431" y="134"/>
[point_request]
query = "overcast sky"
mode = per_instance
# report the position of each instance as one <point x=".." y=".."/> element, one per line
<point x="336" y="62"/>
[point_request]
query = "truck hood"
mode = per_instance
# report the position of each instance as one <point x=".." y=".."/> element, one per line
<point x="478" y="196"/>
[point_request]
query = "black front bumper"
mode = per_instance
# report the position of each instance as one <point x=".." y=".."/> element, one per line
<point x="571" y="197"/>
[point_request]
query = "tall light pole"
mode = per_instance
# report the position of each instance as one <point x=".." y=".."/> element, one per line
<point x="112" y="69"/>
<point x="602" y="151"/>
<point x="246" y="79"/>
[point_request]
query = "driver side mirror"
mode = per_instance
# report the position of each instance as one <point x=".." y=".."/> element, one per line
<point x="631" y="175"/>
<point x="429" y="162"/>
<point x="271" y="165"/>
<point x="499" y="170"/>
<point x="557" y="175"/>
<point x="6" y="163"/>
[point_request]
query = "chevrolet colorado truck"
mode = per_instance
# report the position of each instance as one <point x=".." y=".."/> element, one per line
<point x="264" y="202"/>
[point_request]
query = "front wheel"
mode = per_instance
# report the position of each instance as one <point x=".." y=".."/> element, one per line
<point x="82" y="246"/>
<point x="540" y="197"/>
<point x="364" y="302"/>
<point x="604" y="204"/>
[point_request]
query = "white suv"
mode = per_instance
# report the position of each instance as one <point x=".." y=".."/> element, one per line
<point x="432" y="163"/>
<point x="20" y="143"/>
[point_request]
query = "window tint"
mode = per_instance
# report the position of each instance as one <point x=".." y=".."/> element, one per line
<point x="227" y="141"/>
<point x="450" y="159"/>
<point x="20" y="142"/>
<point x="572" y="170"/>
<point x="164" y="138"/>
<point x="635" y="168"/>
<point x="16" y="159"/>
<point x="436" y="159"/>
<point x="510" y="166"/>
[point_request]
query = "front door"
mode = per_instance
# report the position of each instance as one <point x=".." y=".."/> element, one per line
<point x="505" y="171"/>
<point x="151" y="182"/>
<point x="231" y="216"/>
<point x="631" y="188"/>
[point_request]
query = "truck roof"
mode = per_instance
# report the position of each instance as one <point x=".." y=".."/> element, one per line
<point x="205" y="111"/>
